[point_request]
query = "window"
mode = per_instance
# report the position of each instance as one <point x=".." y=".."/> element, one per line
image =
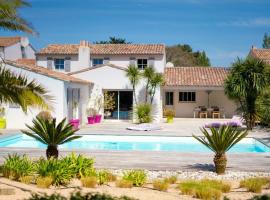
<point x="97" y="61"/>
<point x="169" y="98"/>
<point x="23" y="52"/>
<point x="187" y="96"/>
<point x="142" y="63"/>
<point x="59" y="64"/>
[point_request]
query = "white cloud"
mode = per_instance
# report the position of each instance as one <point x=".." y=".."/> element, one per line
<point x="248" y="23"/>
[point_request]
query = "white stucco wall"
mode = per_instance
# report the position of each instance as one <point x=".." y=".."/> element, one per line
<point x="14" y="52"/>
<point x="16" y="118"/>
<point x="216" y="98"/>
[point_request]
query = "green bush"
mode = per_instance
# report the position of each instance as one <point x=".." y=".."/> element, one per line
<point x="44" y="182"/>
<point x="78" y="196"/>
<point x="143" y="113"/>
<point x="171" y="179"/>
<point x="89" y="182"/>
<point x="16" y="166"/>
<point x="219" y="185"/>
<point x="137" y="177"/>
<point x="105" y="176"/>
<point x="124" y="183"/>
<point x="254" y="184"/>
<point x="161" y="185"/>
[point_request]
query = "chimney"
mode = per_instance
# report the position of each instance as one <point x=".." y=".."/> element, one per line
<point x="253" y="47"/>
<point x="84" y="54"/>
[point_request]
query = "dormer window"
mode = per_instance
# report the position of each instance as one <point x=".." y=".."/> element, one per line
<point x="59" y="64"/>
<point x="142" y="63"/>
<point x="97" y="61"/>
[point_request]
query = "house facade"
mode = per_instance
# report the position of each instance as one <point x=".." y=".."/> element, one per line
<point x="189" y="90"/>
<point x="105" y="65"/>
<point x="13" y="48"/>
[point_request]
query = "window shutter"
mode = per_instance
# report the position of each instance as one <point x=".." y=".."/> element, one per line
<point x="67" y="64"/>
<point x="132" y="61"/>
<point x="49" y="63"/>
<point x="151" y="62"/>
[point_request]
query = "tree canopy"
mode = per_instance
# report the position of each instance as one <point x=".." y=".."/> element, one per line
<point x="266" y="41"/>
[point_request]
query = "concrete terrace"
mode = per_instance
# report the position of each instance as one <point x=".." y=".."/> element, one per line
<point x="161" y="160"/>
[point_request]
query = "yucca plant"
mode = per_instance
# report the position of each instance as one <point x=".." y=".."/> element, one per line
<point x="133" y="74"/>
<point x="220" y="140"/>
<point x="51" y="134"/>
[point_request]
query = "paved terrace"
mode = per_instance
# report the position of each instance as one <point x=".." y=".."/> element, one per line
<point x="161" y="160"/>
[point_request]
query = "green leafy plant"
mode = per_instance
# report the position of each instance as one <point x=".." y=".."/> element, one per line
<point x="51" y="134"/>
<point x="143" y="113"/>
<point x="89" y="182"/>
<point x="16" y="166"/>
<point x="220" y="140"/>
<point x="137" y="177"/>
<point x="254" y="184"/>
<point x="105" y="176"/>
<point x="44" y="182"/>
<point x="133" y="74"/>
<point x="156" y="81"/>
<point x="124" y="183"/>
<point x="160" y="185"/>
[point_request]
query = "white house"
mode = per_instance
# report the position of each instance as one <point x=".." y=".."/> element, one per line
<point x="105" y="65"/>
<point x="13" y="48"/>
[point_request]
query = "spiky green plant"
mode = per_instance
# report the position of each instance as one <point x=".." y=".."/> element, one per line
<point x="51" y="134"/>
<point x="148" y="74"/>
<point x="133" y="74"/>
<point x="220" y="140"/>
<point x="143" y="113"/>
<point x="156" y="81"/>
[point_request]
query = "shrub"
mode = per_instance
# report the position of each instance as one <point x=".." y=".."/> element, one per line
<point x="44" y="182"/>
<point x="59" y="170"/>
<point x="16" y="166"/>
<point x="105" y="176"/>
<point x="219" y="185"/>
<point x="78" y="164"/>
<point x="171" y="179"/>
<point x="89" y="182"/>
<point x="27" y="179"/>
<point x="137" y="177"/>
<point x="143" y="113"/>
<point x="208" y="193"/>
<point x="169" y="112"/>
<point x="124" y="183"/>
<point x="161" y="185"/>
<point x="254" y="184"/>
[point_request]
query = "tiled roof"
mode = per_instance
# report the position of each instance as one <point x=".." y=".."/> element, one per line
<point x="106" y="49"/>
<point x="96" y="67"/>
<point x="195" y="76"/>
<point x="263" y="54"/>
<point x="26" y="61"/>
<point x="8" y="41"/>
<point x="46" y="72"/>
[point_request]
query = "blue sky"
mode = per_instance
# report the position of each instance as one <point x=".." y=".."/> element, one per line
<point x="225" y="29"/>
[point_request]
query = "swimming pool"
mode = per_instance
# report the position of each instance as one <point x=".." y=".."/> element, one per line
<point x="134" y="143"/>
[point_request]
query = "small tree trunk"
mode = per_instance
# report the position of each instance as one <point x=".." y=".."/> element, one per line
<point x="220" y="161"/>
<point x="52" y="151"/>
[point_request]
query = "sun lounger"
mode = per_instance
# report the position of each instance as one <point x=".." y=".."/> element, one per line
<point x="144" y="127"/>
<point x="236" y="121"/>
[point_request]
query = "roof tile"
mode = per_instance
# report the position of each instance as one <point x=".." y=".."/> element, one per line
<point x="263" y="54"/>
<point x="8" y="41"/>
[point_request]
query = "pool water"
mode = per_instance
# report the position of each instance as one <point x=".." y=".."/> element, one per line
<point x="134" y="143"/>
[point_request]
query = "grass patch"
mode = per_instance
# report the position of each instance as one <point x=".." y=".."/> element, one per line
<point x="161" y="185"/>
<point x="44" y="182"/>
<point x="124" y="183"/>
<point x="89" y="182"/>
<point x="204" y="189"/>
<point x="27" y="179"/>
<point x="171" y="179"/>
<point x="254" y="184"/>
<point x="137" y="177"/>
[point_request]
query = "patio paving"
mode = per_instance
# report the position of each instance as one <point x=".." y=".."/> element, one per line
<point x="161" y="160"/>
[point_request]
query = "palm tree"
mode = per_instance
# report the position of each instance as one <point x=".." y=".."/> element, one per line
<point x="18" y="90"/>
<point x="51" y="134"/>
<point x="148" y="74"/>
<point x="220" y="140"/>
<point x="133" y="75"/>
<point x="245" y="83"/>
<point x="10" y="18"/>
<point x="156" y="81"/>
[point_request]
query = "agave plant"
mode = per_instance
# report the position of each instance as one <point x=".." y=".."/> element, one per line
<point x="220" y="140"/>
<point x="51" y="134"/>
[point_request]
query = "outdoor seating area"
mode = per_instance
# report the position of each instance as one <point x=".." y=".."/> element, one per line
<point x="208" y="112"/>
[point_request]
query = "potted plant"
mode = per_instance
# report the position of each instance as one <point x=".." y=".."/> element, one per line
<point x="2" y="118"/>
<point x="75" y="121"/>
<point x="90" y="115"/>
<point x="169" y="114"/>
<point x="109" y="103"/>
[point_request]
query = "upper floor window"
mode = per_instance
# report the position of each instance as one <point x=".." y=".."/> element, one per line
<point x="23" y="52"/>
<point x="169" y="98"/>
<point x="59" y="64"/>
<point x="187" y="96"/>
<point x="142" y="63"/>
<point x="97" y="61"/>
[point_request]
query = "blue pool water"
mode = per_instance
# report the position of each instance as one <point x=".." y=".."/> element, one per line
<point x="134" y="143"/>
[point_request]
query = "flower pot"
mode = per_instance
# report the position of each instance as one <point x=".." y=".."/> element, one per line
<point x="220" y="163"/>
<point x="98" y="118"/>
<point x="170" y="120"/>
<point x="91" y="120"/>
<point x="3" y="123"/>
<point x="75" y="123"/>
